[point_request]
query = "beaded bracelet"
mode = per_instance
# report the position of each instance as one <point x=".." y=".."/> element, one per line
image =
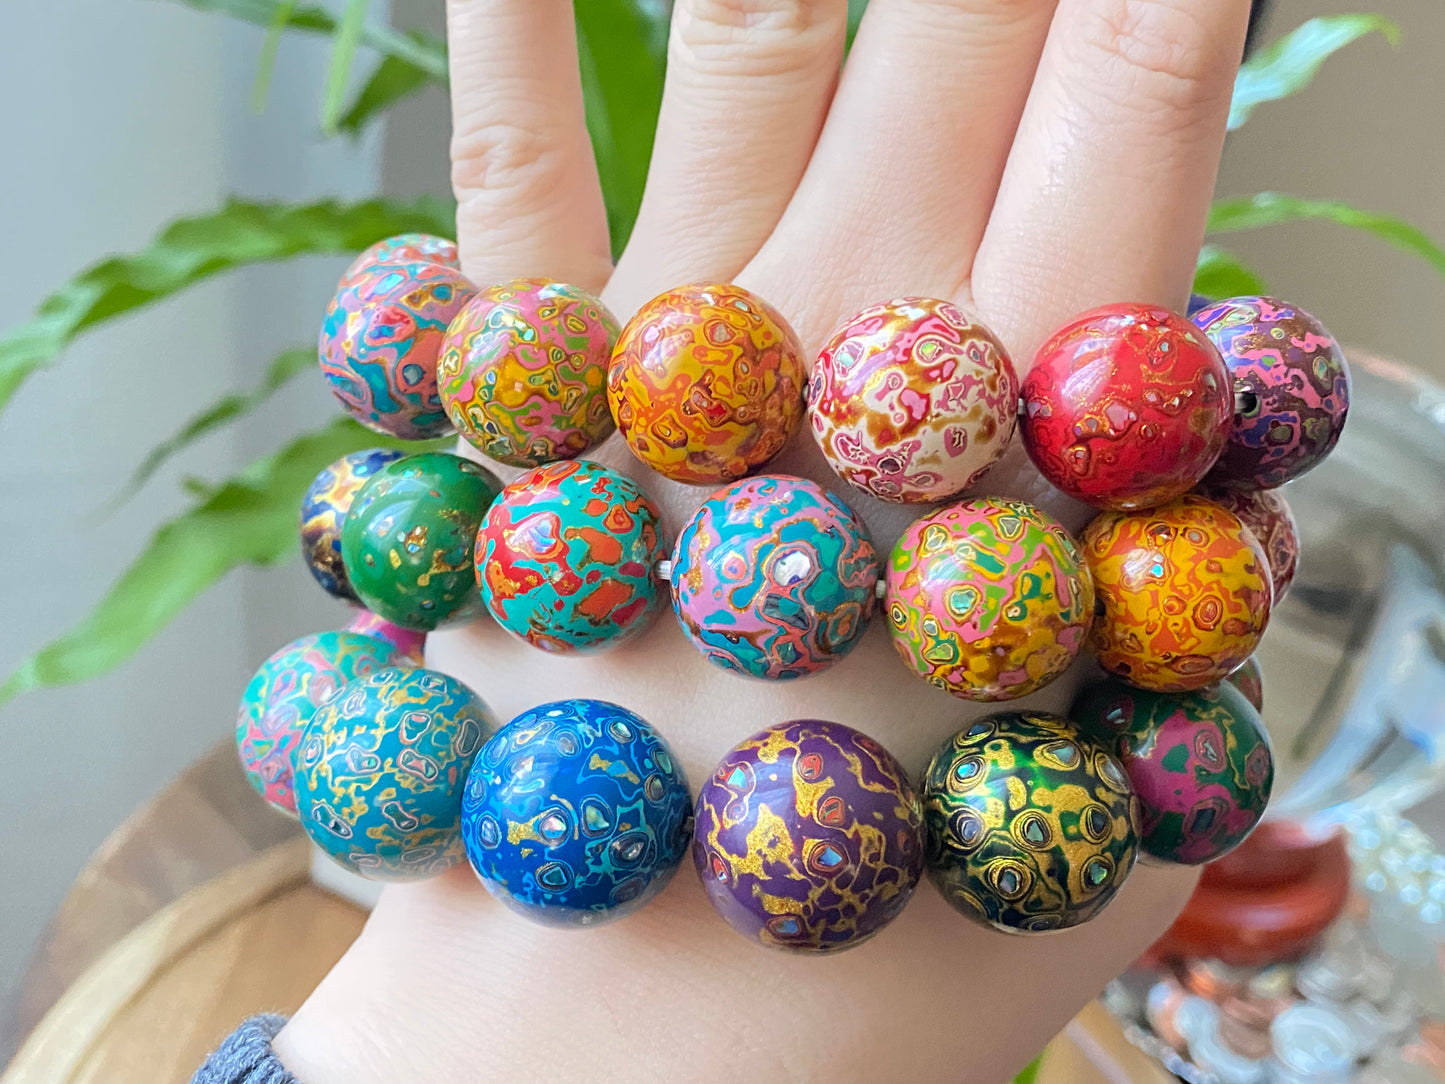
<point x="808" y="835"/>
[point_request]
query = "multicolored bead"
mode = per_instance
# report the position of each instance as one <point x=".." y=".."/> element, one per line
<point x="808" y="837"/>
<point x="1185" y="592"/>
<point x="774" y="577"/>
<point x="706" y="383"/>
<point x="1199" y="762"/>
<point x="1030" y="823"/>
<point x="380" y="771"/>
<point x="565" y="557"/>
<point x="380" y="340"/>
<point x="407" y="541"/>
<point x="323" y="511"/>
<point x="1249" y="679"/>
<point x="576" y="813"/>
<point x="1267" y="515"/>
<point x="410" y="644"/>
<point x="1126" y="407"/>
<point x="523" y="372"/>
<point x="406" y="248"/>
<point x="988" y="599"/>
<point x="285" y="693"/>
<point x="1296" y="386"/>
<point x="913" y="400"/>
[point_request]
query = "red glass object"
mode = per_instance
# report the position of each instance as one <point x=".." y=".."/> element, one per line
<point x="1127" y="406"/>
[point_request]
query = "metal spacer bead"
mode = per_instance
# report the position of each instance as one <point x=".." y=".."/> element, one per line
<point x="662" y="571"/>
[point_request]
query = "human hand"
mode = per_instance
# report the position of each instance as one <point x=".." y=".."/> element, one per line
<point x="1027" y="159"/>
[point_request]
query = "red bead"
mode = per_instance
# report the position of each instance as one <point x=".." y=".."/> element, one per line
<point x="1126" y="407"/>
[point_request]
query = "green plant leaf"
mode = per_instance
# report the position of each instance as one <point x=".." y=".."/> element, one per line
<point x="343" y="55"/>
<point x="266" y="66"/>
<point x="1274" y="208"/>
<point x="1031" y="1071"/>
<point x="192" y="249"/>
<point x="250" y="519"/>
<point x="1220" y="274"/>
<point x="623" y="58"/>
<point x="228" y="408"/>
<point x="1288" y="64"/>
<point x="855" y="16"/>
<point x="390" y="81"/>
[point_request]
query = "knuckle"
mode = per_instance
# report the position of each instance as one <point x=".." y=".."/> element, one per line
<point x="501" y="157"/>
<point x="770" y="31"/>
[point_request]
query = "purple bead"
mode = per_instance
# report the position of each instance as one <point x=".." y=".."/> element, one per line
<point x="808" y="837"/>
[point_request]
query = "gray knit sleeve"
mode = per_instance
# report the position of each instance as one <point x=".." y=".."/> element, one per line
<point x="246" y="1057"/>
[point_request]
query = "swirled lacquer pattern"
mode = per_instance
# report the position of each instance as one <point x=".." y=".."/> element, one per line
<point x="1185" y="592"/>
<point x="576" y="813"/>
<point x="1298" y="387"/>
<point x="1268" y="516"/>
<point x="406" y="248"/>
<point x="808" y="837"/>
<point x="1200" y="764"/>
<point x="380" y="771"/>
<point x="1030" y="824"/>
<point x="988" y="599"/>
<point x="323" y="511"/>
<point x="913" y="400"/>
<point x="410" y="644"/>
<point x="1126" y="406"/>
<point x="407" y="541"/>
<point x="774" y="577"/>
<point x="285" y="693"/>
<point x="1249" y="679"/>
<point x="379" y="344"/>
<point x="566" y="555"/>
<point x="706" y="383"/>
<point x="523" y="371"/>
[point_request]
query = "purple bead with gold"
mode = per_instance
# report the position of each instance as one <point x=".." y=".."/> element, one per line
<point x="323" y="510"/>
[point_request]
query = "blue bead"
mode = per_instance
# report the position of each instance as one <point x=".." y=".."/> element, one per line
<point x="576" y="813"/>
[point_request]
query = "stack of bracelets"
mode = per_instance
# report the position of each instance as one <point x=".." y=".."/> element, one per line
<point x="808" y="835"/>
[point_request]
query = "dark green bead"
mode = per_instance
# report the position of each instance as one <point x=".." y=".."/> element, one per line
<point x="408" y="539"/>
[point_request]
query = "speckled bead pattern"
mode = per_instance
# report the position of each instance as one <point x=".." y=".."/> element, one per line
<point x="576" y="813"/>
<point x="410" y="644"/>
<point x="1126" y="406"/>
<point x="1298" y="385"/>
<point x="1267" y="515"/>
<point x="1199" y="762"/>
<point x="406" y="248"/>
<point x="706" y="383"/>
<point x="773" y="577"/>
<point x="566" y="555"/>
<point x="407" y="541"/>
<point x="808" y="837"/>
<point x="1031" y="824"/>
<point x="1185" y="592"/>
<point x="380" y="771"/>
<point x="285" y="693"/>
<point x="323" y="511"/>
<point x="913" y="400"/>
<point x="523" y="372"/>
<point x="380" y="340"/>
<point x="988" y="599"/>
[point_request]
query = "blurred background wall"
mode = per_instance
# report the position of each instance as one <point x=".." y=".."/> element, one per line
<point x="135" y="112"/>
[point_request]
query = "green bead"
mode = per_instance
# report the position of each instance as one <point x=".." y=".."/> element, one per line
<point x="408" y="538"/>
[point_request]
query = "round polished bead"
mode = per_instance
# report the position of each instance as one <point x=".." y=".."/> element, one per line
<point x="808" y="837"/>
<point x="523" y="371"/>
<point x="1294" y="383"/>
<point x="1200" y="764"/>
<point x="988" y="599"/>
<point x="1030" y="824"/>
<point x="774" y="577"/>
<point x="410" y="644"/>
<point x="1267" y="515"/>
<point x="1249" y="679"/>
<point x="913" y="400"/>
<point x="379" y="344"/>
<point x="407" y="541"/>
<point x="1126" y="407"/>
<point x="706" y="383"/>
<point x="1185" y="593"/>
<point x="406" y="248"/>
<point x="323" y="511"/>
<point x="285" y="693"/>
<point x="565" y="557"/>
<point x="576" y="813"/>
<point x="380" y="770"/>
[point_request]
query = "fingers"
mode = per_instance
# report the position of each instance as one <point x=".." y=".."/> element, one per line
<point x="1108" y="184"/>
<point x="748" y="85"/>
<point x="898" y="191"/>
<point x="528" y="201"/>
